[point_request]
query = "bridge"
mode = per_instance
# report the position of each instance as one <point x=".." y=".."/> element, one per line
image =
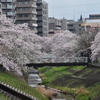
<point x="61" y="61"/>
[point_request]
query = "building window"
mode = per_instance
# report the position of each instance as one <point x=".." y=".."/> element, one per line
<point x="33" y="15"/>
<point x="26" y="9"/>
<point x="19" y="2"/>
<point x="26" y="15"/>
<point x="70" y="25"/>
<point x="44" y="6"/>
<point x="34" y="21"/>
<point x="20" y="15"/>
<point x="23" y="9"/>
<point x="26" y="2"/>
<point x="19" y="9"/>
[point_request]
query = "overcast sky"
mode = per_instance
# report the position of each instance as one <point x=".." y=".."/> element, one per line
<point x="72" y="9"/>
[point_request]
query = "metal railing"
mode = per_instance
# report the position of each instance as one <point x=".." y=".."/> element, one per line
<point x="62" y="60"/>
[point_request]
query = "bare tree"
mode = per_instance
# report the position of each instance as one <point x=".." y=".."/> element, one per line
<point x="84" y="42"/>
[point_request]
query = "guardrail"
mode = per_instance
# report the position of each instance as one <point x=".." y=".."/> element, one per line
<point x="62" y="60"/>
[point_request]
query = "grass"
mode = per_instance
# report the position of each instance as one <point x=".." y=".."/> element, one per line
<point x="18" y="83"/>
<point x="81" y="82"/>
<point x="2" y="97"/>
<point x="54" y="71"/>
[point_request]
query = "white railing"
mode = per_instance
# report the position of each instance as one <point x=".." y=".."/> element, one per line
<point x="62" y="60"/>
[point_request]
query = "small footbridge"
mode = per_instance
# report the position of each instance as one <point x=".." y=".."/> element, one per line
<point x="61" y="61"/>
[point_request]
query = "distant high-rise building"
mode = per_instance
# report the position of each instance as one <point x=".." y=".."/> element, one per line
<point x="26" y="13"/>
<point x="8" y="8"/>
<point x="42" y="18"/>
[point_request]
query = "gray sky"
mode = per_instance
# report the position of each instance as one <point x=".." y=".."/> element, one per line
<point x="72" y="9"/>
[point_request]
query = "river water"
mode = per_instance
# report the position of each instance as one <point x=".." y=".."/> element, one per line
<point x="61" y="96"/>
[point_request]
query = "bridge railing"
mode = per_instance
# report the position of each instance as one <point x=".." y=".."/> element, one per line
<point x="62" y="60"/>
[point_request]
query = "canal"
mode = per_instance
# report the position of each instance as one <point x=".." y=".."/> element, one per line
<point x="58" y="95"/>
<point x="34" y="80"/>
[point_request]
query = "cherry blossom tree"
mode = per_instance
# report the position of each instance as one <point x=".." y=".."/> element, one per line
<point x="18" y="45"/>
<point x="95" y="48"/>
<point x="61" y="44"/>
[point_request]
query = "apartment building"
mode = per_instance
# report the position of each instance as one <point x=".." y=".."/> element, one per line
<point x="33" y="12"/>
<point x="94" y="16"/>
<point x="78" y="27"/>
<point x="54" y="24"/>
<point x="26" y="13"/>
<point x="74" y="26"/>
<point x="42" y="18"/>
<point x="57" y="24"/>
<point x="91" y="25"/>
<point x="63" y="24"/>
<point x="0" y="8"/>
<point x="71" y="25"/>
<point x="8" y="8"/>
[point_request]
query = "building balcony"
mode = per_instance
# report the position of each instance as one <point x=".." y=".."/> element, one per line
<point x="40" y="24"/>
<point x="39" y="7"/>
<point x="26" y="5"/>
<point x="4" y="7"/>
<point x="6" y="0"/>
<point x="3" y="0"/>
<point x="9" y="0"/>
<point x="9" y="6"/>
<point x="33" y="5"/>
<point x="39" y="12"/>
<point x="35" y="0"/>
<point x="40" y="18"/>
<point x="39" y="2"/>
<point x="26" y="12"/>
<point x="9" y="13"/>
<point x="26" y="18"/>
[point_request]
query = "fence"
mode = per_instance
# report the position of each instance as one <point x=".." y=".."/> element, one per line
<point x="62" y="60"/>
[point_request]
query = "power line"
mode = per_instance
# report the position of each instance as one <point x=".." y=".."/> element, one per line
<point x="78" y="12"/>
<point x="75" y="6"/>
